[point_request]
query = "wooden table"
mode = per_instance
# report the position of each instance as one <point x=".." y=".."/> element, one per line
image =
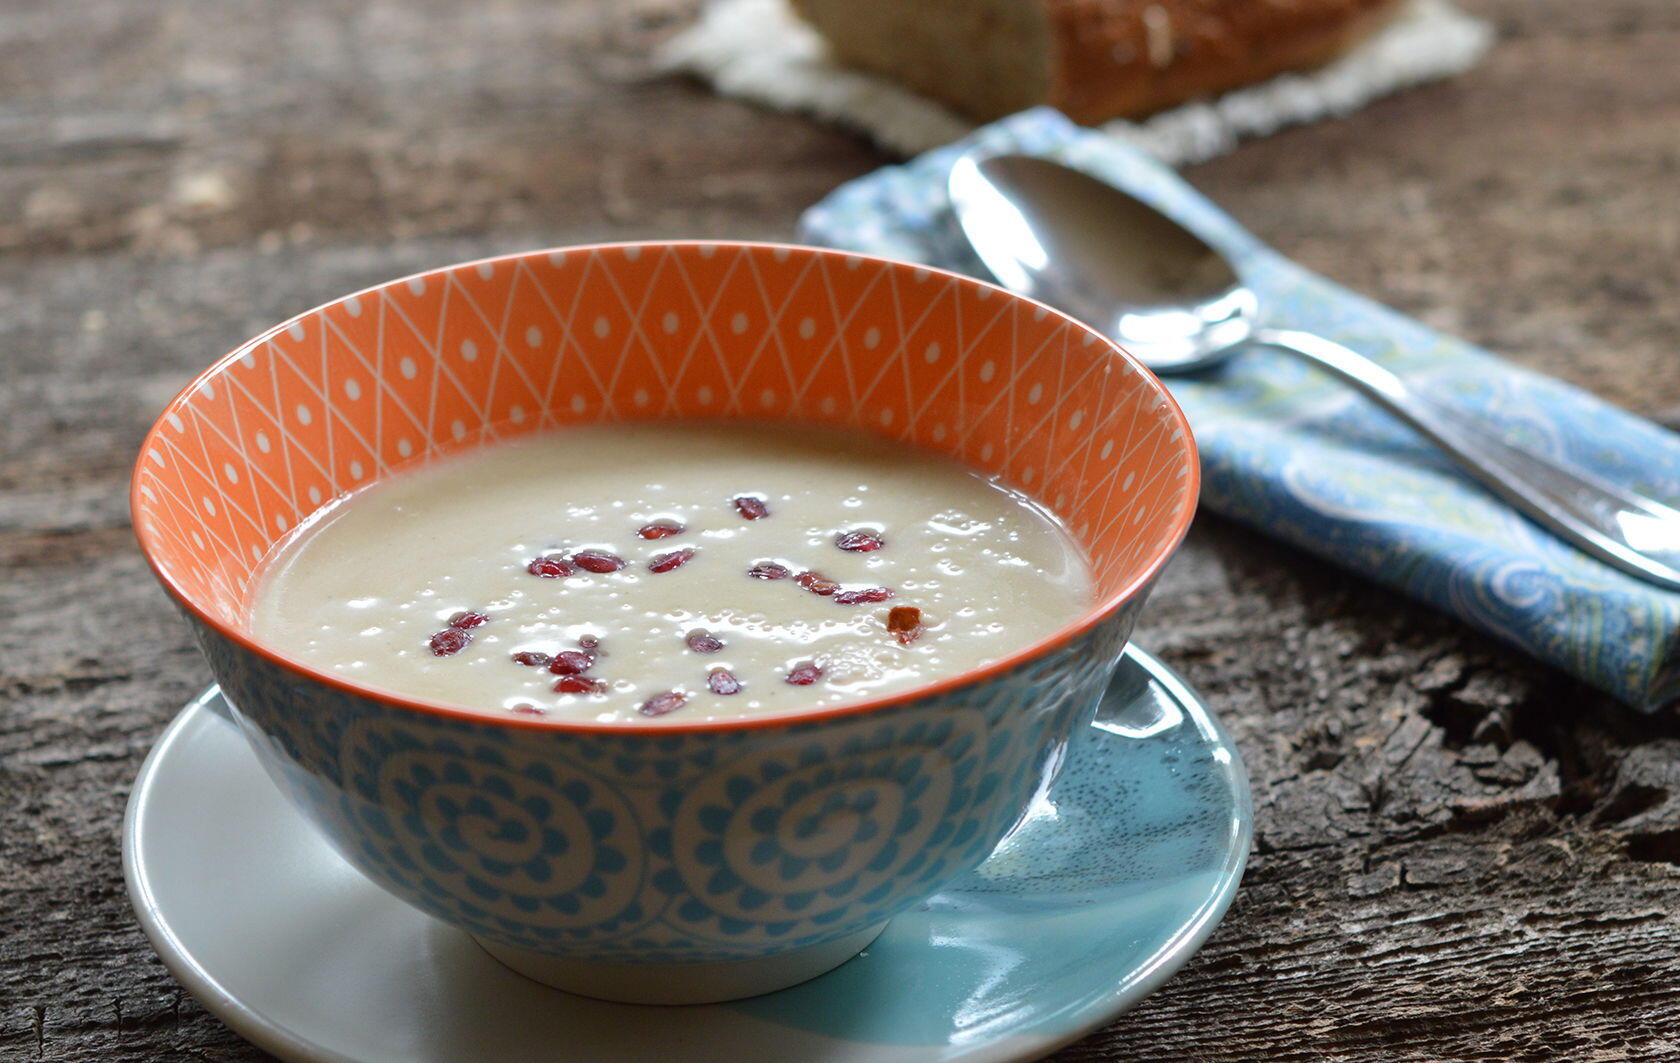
<point x="1461" y="855"/>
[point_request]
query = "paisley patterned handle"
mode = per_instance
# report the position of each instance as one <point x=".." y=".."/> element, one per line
<point x="1620" y="527"/>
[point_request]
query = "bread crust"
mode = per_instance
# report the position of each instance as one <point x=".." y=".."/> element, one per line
<point x="1129" y="58"/>
<point x="1108" y="58"/>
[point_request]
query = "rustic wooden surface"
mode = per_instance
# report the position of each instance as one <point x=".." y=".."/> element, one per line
<point x="1461" y="855"/>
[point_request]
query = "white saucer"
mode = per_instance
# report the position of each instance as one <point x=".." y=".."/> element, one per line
<point x="1103" y="893"/>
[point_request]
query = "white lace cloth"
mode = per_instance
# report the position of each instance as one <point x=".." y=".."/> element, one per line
<point x="759" y="50"/>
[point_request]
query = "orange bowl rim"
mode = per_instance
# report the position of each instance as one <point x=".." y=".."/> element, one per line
<point x="1090" y="618"/>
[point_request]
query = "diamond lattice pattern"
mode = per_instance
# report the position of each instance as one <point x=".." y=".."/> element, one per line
<point x="406" y="372"/>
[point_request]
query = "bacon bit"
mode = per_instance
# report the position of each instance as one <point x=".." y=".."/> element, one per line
<point x="525" y="708"/>
<point x="571" y="662"/>
<point x="865" y="596"/>
<point x="703" y="641"/>
<point x="803" y="675"/>
<point x="751" y="507"/>
<point x="579" y="684"/>
<point x="770" y="570"/>
<point x="467" y="621"/>
<point x="598" y="561"/>
<point x="552" y="566"/>
<point x="660" y="704"/>
<point x="448" y="642"/>
<point x="859" y="542"/>
<point x="723" y="681"/>
<point x="660" y="529"/>
<point x="816" y="583"/>
<point x="674" y="559"/>
<point x="904" y="622"/>
<point x="531" y="658"/>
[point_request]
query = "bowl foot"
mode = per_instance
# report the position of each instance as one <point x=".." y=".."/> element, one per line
<point x="701" y="983"/>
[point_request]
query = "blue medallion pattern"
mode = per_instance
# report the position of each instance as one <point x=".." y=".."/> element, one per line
<point x="793" y="842"/>
<point x="494" y="830"/>
<point x="649" y="847"/>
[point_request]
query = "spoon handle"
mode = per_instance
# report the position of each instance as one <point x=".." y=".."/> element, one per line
<point x="1618" y="526"/>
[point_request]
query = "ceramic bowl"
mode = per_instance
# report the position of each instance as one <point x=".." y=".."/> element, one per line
<point x="668" y="862"/>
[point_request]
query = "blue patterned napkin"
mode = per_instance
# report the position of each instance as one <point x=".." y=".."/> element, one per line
<point x="1304" y="459"/>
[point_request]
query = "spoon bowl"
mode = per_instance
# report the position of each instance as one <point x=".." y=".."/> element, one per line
<point x="1175" y="303"/>
<point x="1116" y="263"/>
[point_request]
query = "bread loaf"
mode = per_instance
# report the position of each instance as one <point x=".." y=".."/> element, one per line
<point x="1092" y="59"/>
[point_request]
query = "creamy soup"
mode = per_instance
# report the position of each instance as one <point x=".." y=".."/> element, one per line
<point x="678" y="572"/>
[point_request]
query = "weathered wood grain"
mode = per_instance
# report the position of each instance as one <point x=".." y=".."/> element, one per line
<point x="1461" y="855"/>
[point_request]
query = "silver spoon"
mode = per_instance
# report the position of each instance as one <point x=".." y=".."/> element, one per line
<point x="1063" y="237"/>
